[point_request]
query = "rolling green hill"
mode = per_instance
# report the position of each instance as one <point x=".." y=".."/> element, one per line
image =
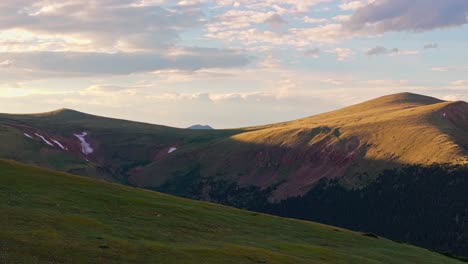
<point x="51" y="217"/>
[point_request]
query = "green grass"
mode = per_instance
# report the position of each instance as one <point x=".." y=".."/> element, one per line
<point x="51" y="217"/>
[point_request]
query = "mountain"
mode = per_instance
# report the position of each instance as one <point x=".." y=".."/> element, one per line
<point x="51" y="217"/>
<point x="386" y="154"/>
<point x="200" y="127"/>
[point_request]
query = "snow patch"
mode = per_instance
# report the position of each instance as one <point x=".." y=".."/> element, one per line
<point x="85" y="146"/>
<point x="172" y="150"/>
<point x="27" y="135"/>
<point x="59" y="144"/>
<point x="45" y="140"/>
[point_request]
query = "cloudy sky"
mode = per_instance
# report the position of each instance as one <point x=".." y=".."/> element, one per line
<point x="227" y="63"/>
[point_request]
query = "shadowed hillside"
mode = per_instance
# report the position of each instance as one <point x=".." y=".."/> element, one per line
<point x="50" y="217"/>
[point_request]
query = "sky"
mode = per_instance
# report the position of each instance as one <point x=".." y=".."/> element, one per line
<point x="226" y="63"/>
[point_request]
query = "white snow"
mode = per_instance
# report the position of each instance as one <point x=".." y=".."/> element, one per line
<point x="172" y="150"/>
<point x="27" y="135"/>
<point x="85" y="146"/>
<point x="45" y="140"/>
<point x="59" y="144"/>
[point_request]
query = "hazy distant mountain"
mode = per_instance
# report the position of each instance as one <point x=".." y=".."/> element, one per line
<point x="328" y="161"/>
<point x="200" y="127"/>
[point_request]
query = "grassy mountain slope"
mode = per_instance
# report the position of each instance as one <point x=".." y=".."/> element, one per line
<point x="118" y="145"/>
<point x="290" y="157"/>
<point x="367" y="138"/>
<point x="51" y="217"/>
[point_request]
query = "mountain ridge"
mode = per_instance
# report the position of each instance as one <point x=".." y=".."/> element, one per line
<point x="259" y="167"/>
<point x="428" y="130"/>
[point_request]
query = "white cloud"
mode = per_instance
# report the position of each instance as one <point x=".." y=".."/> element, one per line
<point x="269" y="62"/>
<point x="451" y="97"/>
<point x="243" y="25"/>
<point x="333" y="81"/>
<point x="314" y="53"/>
<point x="101" y="25"/>
<point x="409" y="52"/>
<point x="342" y="54"/>
<point x="440" y="69"/>
<point x="342" y="18"/>
<point x="431" y="46"/>
<point x="388" y="82"/>
<point x="403" y="15"/>
<point x="6" y="63"/>
<point x="379" y="50"/>
<point x="353" y="4"/>
<point x="460" y="83"/>
<point x="312" y="20"/>
<point x="80" y="63"/>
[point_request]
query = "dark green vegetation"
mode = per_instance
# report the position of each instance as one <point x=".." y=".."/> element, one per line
<point x="50" y="217"/>
<point x="425" y="206"/>
<point x="309" y="168"/>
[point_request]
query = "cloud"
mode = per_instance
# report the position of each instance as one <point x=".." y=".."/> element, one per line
<point x="342" y="54"/>
<point x="440" y="69"/>
<point x="409" y="52"/>
<point x="431" y="46"/>
<point x="269" y="62"/>
<point x="275" y="20"/>
<point x="106" y="25"/>
<point x="244" y="24"/>
<point x="353" y="5"/>
<point x="403" y="15"/>
<point x="379" y="50"/>
<point x="460" y="83"/>
<point x="314" y="53"/>
<point x="342" y="18"/>
<point x="450" y="97"/>
<point x="333" y="81"/>
<point x="6" y="63"/>
<point x="104" y="88"/>
<point x="388" y="82"/>
<point x="312" y="20"/>
<point x="81" y="63"/>
<point x="291" y="6"/>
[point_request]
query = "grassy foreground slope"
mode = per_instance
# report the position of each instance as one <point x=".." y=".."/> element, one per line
<point x="51" y="217"/>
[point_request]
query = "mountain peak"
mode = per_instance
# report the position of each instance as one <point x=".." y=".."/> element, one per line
<point x="63" y="110"/>
<point x="200" y="127"/>
<point x="408" y="98"/>
<point x="60" y="112"/>
<point x="393" y="101"/>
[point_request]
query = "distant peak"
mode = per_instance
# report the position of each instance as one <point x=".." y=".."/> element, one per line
<point x="200" y="127"/>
